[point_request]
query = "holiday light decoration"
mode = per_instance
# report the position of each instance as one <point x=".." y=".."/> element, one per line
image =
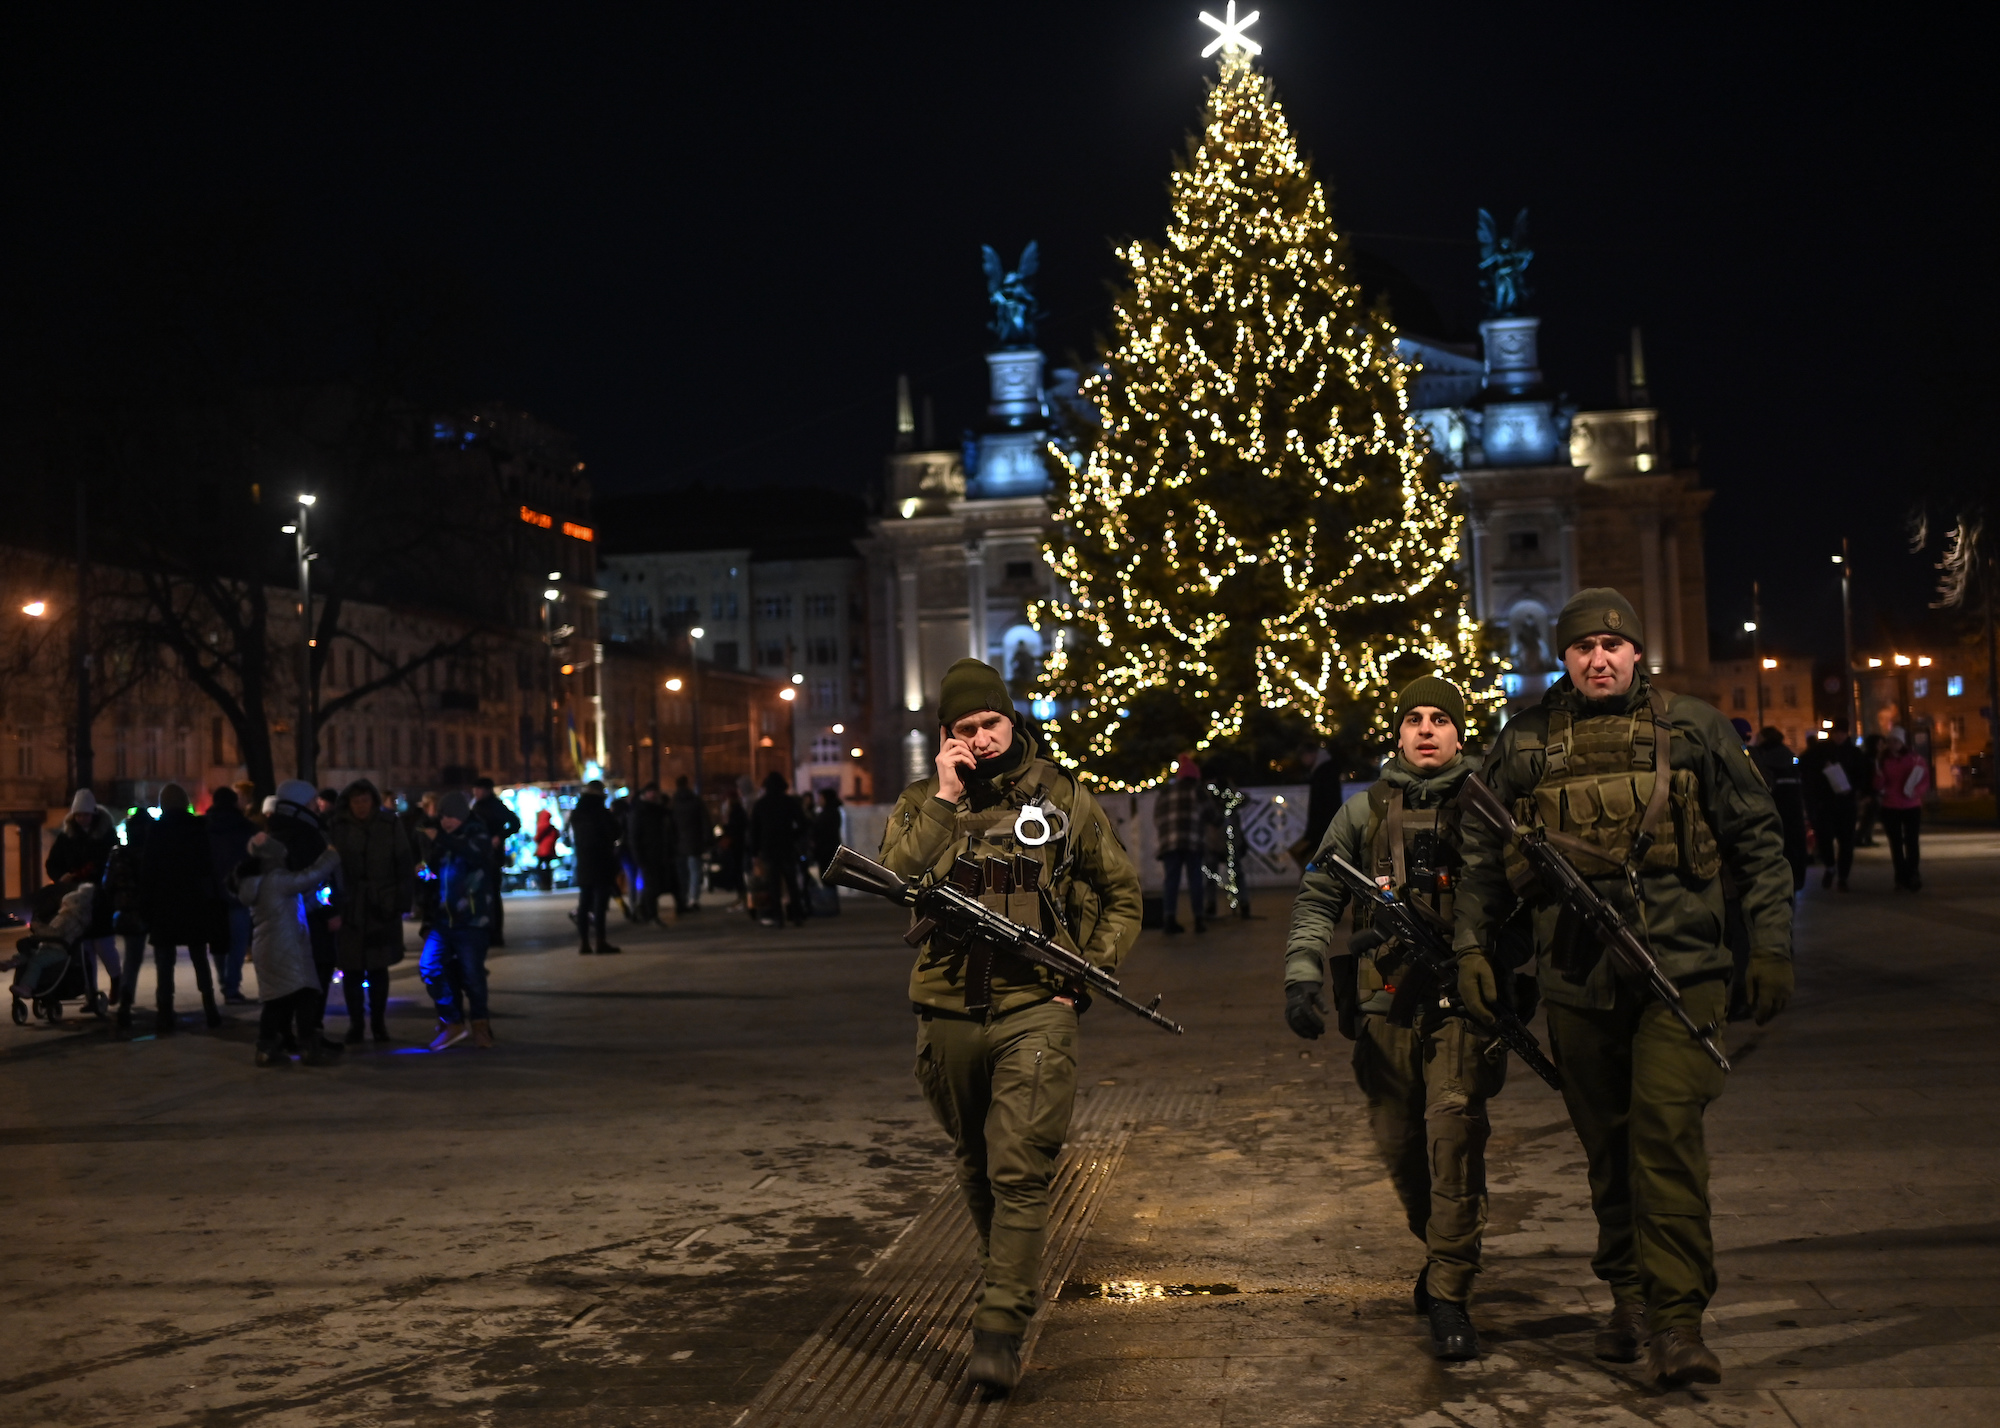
<point x="1260" y="523"/>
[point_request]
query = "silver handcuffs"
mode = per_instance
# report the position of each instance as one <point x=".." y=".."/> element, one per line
<point x="1033" y="815"/>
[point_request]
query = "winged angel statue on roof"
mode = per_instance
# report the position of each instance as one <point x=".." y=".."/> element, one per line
<point x="1014" y="310"/>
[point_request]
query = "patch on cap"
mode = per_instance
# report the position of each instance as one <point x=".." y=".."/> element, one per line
<point x="1613" y="620"/>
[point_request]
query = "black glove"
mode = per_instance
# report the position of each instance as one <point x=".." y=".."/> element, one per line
<point x="1366" y="941"/>
<point x="1305" y="1013"/>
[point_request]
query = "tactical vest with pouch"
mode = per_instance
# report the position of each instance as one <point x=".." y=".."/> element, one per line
<point x="1602" y="801"/>
<point x="1028" y="883"/>
<point x="1416" y="850"/>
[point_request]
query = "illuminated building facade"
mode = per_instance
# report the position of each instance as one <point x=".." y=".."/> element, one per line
<point x="1560" y="500"/>
<point x="956" y="555"/>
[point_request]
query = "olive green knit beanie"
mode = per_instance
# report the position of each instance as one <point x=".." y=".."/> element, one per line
<point x="970" y="686"/>
<point x="1602" y="611"/>
<point x="1438" y="694"/>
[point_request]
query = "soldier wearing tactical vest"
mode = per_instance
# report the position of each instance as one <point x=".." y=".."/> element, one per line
<point x="1427" y="1073"/>
<point x="1585" y="766"/>
<point x="997" y="1039"/>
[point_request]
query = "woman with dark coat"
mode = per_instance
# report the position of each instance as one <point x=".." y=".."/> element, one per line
<point x="82" y="854"/>
<point x="378" y="882"/>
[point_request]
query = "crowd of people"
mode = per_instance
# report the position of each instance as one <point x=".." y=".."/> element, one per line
<point x="765" y="848"/>
<point x="1831" y="796"/>
<point x="313" y="887"/>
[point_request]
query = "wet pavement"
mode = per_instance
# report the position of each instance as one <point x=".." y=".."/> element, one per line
<point x="675" y="1167"/>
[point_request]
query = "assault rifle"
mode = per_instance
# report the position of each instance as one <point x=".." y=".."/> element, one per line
<point x="1560" y="879"/>
<point x="1433" y="971"/>
<point x="953" y="906"/>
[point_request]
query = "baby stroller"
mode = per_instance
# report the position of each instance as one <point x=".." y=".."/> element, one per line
<point x="51" y="970"/>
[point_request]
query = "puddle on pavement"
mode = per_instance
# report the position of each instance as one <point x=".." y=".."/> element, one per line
<point x="1131" y="1290"/>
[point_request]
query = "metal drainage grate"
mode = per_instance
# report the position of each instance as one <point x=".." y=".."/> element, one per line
<point x="895" y="1354"/>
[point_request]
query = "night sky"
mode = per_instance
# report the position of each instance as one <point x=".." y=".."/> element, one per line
<point x="704" y="240"/>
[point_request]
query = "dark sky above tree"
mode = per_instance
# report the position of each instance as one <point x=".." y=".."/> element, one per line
<point x="704" y="241"/>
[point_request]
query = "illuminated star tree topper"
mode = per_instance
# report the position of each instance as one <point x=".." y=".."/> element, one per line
<point x="1259" y="546"/>
<point x="1229" y="32"/>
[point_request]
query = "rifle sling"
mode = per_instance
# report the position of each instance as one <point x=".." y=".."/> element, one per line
<point x="1663" y="773"/>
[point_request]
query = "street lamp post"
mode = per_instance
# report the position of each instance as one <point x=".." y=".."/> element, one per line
<point x="1757" y="649"/>
<point x="1845" y="560"/>
<point x="86" y="761"/>
<point x="549" y="598"/>
<point x="695" y="636"/>
<point x="308" y="740"/>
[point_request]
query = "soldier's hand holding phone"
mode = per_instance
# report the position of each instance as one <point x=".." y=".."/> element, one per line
<point x="954" y="761"/>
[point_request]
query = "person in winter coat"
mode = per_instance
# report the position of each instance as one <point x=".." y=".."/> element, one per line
<point x="378" y="880"/>
<point x="458" y="865"/>
<point x="295" y="822"/>
<point x="650" y="837"/>
<point x="593" y="833"/>
<point x="1900" y="786"/>
<point x="778" y="831"/>
<point x="1831" y="778"/>
<point x="1780" y="767"/>
<point x="128" y="921"/>
<point x="733" y="852"/>
<point x="692" y="834"/>
<point x="546" y="841"/>
<point x="82" y="854"/>
<point x="178" y="893"/>
<point x="501" y="824"/>
<point x="1183" y="812"/>
<point x="829" y="827"/>
<point x="281" y="950"/>
<point x="229" y="835"/>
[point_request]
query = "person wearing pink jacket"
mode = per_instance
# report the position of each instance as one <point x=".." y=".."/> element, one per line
<point x="1900" y="785"/>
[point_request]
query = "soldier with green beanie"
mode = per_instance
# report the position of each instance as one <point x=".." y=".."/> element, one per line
<point x="1427" y="1072"/>
<point x="1653" y="798"/>
<point x="997" y="1035"/>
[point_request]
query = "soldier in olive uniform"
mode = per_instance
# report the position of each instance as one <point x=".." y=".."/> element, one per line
<point x="1585" y="766"/>
<point x="996" y="1046"/>
<point x="1427" y="1073"/>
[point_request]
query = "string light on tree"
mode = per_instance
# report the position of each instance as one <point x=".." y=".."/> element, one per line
<point x="1260" y="531"/>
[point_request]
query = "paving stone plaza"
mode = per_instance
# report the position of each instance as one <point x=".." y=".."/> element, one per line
<point x="695" y="1185"/>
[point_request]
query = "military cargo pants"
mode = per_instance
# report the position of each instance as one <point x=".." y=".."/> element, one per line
<point x="1636" y="1085"/>
<point x="1003" y="1090"/>
<point x="1427" y="1094"/>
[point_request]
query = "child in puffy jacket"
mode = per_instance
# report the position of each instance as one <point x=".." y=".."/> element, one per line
<point x="281" y="950"/>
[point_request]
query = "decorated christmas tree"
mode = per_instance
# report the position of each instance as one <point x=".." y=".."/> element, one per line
<point x="1259" y="543"/>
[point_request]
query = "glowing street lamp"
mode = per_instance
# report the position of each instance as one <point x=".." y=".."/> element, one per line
<point x="788" y="695"/>
<point x="35" y="608"/>
<point x="674" y="684"/>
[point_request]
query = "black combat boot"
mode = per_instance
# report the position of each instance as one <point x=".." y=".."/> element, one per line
<point x="1677" y="1357"/>
<point x="268" y="1054"/>
<point x="1618" y="1341"/>
<point x="164" y="1023"/>
<point x="1452" y="1328"/>
<point x="996" y="1360"/>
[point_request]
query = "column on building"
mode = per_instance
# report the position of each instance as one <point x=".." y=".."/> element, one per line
<point x="975" y="597"/>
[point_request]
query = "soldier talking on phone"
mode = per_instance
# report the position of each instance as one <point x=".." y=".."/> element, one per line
<point x="997" y="1034"/>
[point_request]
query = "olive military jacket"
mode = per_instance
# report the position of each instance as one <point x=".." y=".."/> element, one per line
<point x="1093" y="887"/>
<point x="1323" y="894"/>
<point x="1683" y="904"/>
